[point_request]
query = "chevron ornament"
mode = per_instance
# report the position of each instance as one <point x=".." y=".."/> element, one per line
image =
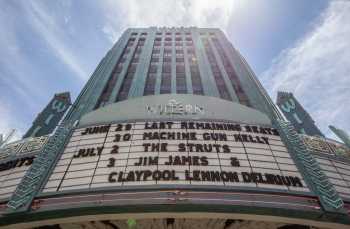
<point x="317" y="180"/>
<point x="33" y="179"/>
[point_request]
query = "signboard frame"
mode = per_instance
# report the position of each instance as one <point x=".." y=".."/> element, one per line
<point x="168" y="186"/>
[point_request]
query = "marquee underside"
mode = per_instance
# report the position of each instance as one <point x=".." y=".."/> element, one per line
<point x="191" y="220"/>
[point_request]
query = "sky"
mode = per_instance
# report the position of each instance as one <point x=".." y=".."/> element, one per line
<point x="294" y="45"/>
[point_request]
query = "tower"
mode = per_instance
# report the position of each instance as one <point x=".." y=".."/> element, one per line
<point x="296" y="114"/>
<point x="49" y="117"/>
<point x="156" y="61"/>
<point x="341" y="134"/>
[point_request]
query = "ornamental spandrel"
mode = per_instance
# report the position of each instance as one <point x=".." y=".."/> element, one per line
<point x="22" y="147"/>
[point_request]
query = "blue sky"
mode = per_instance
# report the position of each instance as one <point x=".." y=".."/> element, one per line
<point x="54" y="46"/>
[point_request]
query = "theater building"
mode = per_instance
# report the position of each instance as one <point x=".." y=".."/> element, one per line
<point x="173" y="130"/>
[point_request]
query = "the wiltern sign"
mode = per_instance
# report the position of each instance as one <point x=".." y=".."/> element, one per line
<point x="175" y="153"/>
<point x="174" y="107"/>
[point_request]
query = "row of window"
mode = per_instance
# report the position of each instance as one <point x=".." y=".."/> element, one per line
<point x="167" y="41"/>
<point x="242" y="97"/>
<point x="159" y="43"/>
<point x="107" y="91"/>
<point x="142" y="34"/>
<point x="166" y="82"/>
<point x="178" y="50"/>
<point x="167" y="59"/>
<point x="170" y="33"/>
<point x="125" y="87"/>
<point x="181" y="85"/>
<point x="176" y="33"/>
<point x="223" y="91"/>
<point x="176" y="39"/>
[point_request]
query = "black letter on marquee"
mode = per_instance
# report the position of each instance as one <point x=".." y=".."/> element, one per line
<point x="126" y="137"/>
<point x="117" y="138"/>
<point x="115" y="149"/>
<point x="110" y="177"/>
<point x="111" y="162"/>
<point x="235" y="162"/>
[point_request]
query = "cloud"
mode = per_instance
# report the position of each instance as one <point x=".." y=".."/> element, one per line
<point x="14" y="65"/>
<point x="121" y="15"/>
<point x="29" y="28"/>
<point x="317" y="69"/>
<point x="8" y="122"/>
<point x="47" y="26"/>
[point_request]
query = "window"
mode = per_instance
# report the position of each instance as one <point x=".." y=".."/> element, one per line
<point x="178" y="39"/>
<point x="157" y="43"/>
<point x="166" y="68"/>
<point x="180" y="69"/>
<point x="188" y="33"/>
<point x="156" y="51"/>
<point x="179" y="51"/>
<point x="158" y="39"/>
<point x="167" y="44"/>
<point x="196" y="80"/>
<point x="180" y="60"/>
<point x="154" y="60"/>
<point x="138" y="50"/>
<point x="223" y="91"/>
<point x="135" y="60"/>
<point x="242" y="97"/>
<point x="190" y="51"/>
<point x="167" y="54"/>
<point x="119" y="69"/>
<point x="132" y="68"/>
<point x="143" y="34"/>
<point x="167" y="50"/>
<point x="152" y="68"/>
<point x="165" y="85"/>
<point x="178" y="44"/>
<point x="167" y="33"/>
<point x="125" y="55"/>
<point x="181" y="83"/>
<point x="179" y="55"/>
<point x="168" y="38"/>
<point x="224" y="94"/>
<point x="166" y="59"/>
<point x="188" y="39"/>
<point x="142" y="39"/>
<point x="108" y="88"/>
<point x="133" y="34"/>
<point x="189" y="43"/>
<point x="192" y="59"/>
<point x="178" y="33"/>
<point x="124" y="89"/>
<point x="150" y="83"/>
<point x="132" y="39"/>
<point x="158" y="33"/>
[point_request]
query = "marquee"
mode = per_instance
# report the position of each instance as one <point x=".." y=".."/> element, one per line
<point x="162" y="153"/>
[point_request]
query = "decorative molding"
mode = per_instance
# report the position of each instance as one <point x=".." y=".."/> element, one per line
<point x="31" y="182"/>
<point x="320" y="185"/>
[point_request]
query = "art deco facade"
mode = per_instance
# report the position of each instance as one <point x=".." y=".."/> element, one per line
<point x="173" y="130"/>
<point x="153" y="61"/>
